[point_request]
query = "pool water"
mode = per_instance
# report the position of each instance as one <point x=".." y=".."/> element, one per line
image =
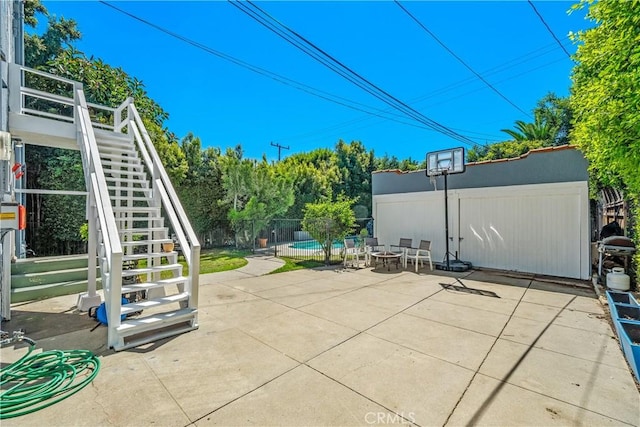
<point x="313" y="244"/>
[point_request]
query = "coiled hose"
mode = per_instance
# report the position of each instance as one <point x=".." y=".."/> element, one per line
<point x="36" y="381"/>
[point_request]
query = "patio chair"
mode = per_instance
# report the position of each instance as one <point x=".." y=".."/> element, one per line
<point x="421" y="254"/>
<point x="353" y="251"/>
<point x="371" y="245"/>
<point x="405" y="247"/>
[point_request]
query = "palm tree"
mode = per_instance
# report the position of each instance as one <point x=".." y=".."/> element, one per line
<point x="539" y="130"/>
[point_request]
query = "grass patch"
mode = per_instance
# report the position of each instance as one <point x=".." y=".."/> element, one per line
<point x="291" y="264"/>
<point x="211" y="261"/>
<point x="216" y="260"/>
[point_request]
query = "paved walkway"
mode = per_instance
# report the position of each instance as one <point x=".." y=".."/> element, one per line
<point x="355" y="347"/>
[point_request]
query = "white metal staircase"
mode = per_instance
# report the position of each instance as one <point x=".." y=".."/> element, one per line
<point x="132" y="208"/>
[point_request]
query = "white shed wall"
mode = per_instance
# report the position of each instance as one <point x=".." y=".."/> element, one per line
<point x="541" y="228"/>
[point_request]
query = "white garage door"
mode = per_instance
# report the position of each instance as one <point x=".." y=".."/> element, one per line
<point x="526" y="228"/>
<point x="542" y="228"/>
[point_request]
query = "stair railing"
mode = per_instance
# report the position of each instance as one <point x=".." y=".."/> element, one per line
<point x="162" y="186"/>
<point x="102" y="224"/>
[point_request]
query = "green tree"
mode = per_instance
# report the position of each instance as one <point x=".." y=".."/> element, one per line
<point x="202" y="187"/>
<point x="502" y="150"/>
<point x="556" y="113"/>
<point x="328" y="221"/>
<point x="355" y="164"/>
<point x="313" y="175"/>
<point x="605" y="98"/>
<point x="539" y="130"/>
<point x="55" y="219"/>
<point x="551" y="127"/>
<point x="257" y="192"/>
<point x="236" y="178"/>
<point x="53" y="51"/>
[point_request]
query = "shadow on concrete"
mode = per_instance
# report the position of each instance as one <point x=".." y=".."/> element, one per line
<point x="475" y="419"/>
<point x="463" y="288"/>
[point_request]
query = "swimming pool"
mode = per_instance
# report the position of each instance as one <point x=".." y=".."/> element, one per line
<point x="313" y="245"/>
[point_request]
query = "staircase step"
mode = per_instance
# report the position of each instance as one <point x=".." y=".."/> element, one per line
<point x="51" y="290"/>
<point x="142" y="219"/>
<point x="143" y="182"/>
<point x="147" y="304"/>
<point x="133" y="162"/>
<point x="155" y="269"/>
<point x="103" y="135"/>
<point x="111" y="151"/>
<point x="45" y="264"/>
<point x="45" y="277"/>
<point x="138" y="325"/>
<point x="115" y="139"/>
<point x="169" y="330"/>
<point x="144" y="231"/>
<point x="118" y="173"/>
<point x="136" y="209"/>
<point x="129" y="198"/>
<point x="115" y="145"/>
<point x="146" y="192"/>
<point x="145" y="218"/>
<point x="151" y="285"/>
<point x="135" y="257"/>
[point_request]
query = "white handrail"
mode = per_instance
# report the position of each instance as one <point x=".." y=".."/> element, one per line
<point x="102" y="221"/>
<point x="38" y="113"/>
<point x="93" y="157"/>
<point x="157" y="165"/>
<point x="101" y="107"/>
<point x="162" y="184"/>
<point x="173" y="218"/>
<point x="39" y="94"/>
<point x="47" y="75"/>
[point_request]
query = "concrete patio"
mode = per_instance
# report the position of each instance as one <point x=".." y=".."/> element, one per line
<point x="353" y="347"/>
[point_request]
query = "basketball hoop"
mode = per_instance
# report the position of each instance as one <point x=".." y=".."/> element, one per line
<point x="445" y="162"/>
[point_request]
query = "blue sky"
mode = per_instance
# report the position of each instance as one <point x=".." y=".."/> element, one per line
<point x="225" y="104"/>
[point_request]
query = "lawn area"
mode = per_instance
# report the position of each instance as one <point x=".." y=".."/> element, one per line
<point x="216" y="260"/>
<point x="211" y="261"/>
<point x="292" y="264"/>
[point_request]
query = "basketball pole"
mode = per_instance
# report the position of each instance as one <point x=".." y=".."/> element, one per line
<point x="446" y="216"/>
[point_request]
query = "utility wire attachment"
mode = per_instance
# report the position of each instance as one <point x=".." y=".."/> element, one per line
<point x="280" y="148"/>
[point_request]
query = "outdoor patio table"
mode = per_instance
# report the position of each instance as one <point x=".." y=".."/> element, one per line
<point x="387" y="257"/>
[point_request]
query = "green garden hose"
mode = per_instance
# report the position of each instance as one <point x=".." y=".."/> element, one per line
<point x="40" y="380"/>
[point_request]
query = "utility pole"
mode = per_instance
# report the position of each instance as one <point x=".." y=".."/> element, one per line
<point x="280" y="147"/>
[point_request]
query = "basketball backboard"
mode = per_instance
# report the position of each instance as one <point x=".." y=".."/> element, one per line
<point x="445" y="161"/>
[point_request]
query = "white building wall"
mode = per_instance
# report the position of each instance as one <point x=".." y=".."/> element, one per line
<point x="538" y="228"/>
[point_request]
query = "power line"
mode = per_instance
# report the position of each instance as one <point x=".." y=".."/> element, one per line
<point x="467" y="66"/>
<point x="274" y="76"/>
<point x="384" y="114"/>
<point x="315" y="52"/>
<point x="372" y="112"/>
<point x="548" y="28"/>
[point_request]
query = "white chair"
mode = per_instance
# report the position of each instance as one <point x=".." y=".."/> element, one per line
<point x="371" y="245"/>
<point x="421" y="254"/>
<point x="405" y="247"/>
<point x="353" y="251"/>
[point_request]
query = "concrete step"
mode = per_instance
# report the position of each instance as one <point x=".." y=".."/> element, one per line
<point x="41" y="264"/>
<point x="48" y="277"/>
<point x="50" y="290"/>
